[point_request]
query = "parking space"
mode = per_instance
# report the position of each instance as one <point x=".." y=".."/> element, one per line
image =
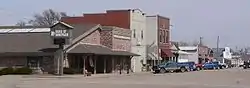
<point x="228" y="78"/>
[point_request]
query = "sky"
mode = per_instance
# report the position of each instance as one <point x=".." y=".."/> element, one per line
<point x="191" y="19"/>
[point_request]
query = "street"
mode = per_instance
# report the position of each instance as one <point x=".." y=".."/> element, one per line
<point x="228" y="78"/>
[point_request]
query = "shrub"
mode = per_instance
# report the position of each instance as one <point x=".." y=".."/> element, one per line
<point x="23" y="70"/>
<point x="69" y="71"/>
<point x="6" y="71"/>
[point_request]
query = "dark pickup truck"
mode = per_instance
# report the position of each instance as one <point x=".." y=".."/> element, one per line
<point x="170" y="67"/>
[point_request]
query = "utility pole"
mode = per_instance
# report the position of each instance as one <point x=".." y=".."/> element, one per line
<point x="217" y="47"/>
<point x="200" y="43"/>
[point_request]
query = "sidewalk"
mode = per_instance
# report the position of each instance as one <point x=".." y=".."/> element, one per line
<point x="82" y="76"/>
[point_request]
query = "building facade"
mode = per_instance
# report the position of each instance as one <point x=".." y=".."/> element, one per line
<point x="133" y="19"/>
<point x="198" y="54"/>
<point x="32" y="47"/>
<point x="158" y="39"/>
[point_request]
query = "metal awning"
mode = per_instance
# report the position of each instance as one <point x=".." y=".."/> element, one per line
<point x="99" y="50"/>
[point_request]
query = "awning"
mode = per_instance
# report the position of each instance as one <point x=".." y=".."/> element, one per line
<point x="90" y="49"/>
<point x="124" y="53"/>
<point x="166" y="53"/>
<point x="26" y="54"/>
<point x="99" y="50"/>
<point x="183" y="52"/>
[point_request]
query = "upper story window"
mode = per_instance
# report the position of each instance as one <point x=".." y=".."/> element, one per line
<point x="160" y="36"/>
<point x="142" y="34"/>
<point x="164" y="38"/>
<point x="134" y="33"/>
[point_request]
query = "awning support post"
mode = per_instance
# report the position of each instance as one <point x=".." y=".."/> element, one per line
<point x="104" y="65"/>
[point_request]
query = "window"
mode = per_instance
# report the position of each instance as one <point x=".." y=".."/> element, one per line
<point x="164" y="39"/>
<point x="160" y="36"/>
<point x="134" y="35"/>
<point x="142" y="34"/>
<point x="166" y="36"/>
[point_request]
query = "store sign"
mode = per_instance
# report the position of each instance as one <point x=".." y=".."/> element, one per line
<point x="59" y="33"/>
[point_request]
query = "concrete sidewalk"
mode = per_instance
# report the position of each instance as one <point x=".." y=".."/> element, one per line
<point x="82" y="76"/>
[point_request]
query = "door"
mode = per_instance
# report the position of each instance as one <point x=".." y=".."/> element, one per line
<point x="171" y="66"/>
<point x="34" y="62"/>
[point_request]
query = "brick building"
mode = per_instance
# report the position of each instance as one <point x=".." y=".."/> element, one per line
<point x="133" y="19"/>
<point x="158" y="39"/>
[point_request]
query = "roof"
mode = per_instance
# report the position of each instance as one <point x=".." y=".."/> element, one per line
<point x="65" y="24"/>
<point x="187" y="47"/>
<point x="158" y="16"/>
<point x="80" y="29"/>
<point x="98" y="49"/>
<point x="118" y="31"/>
<point x="23" y="29"/>
<point x="24" y="41"/>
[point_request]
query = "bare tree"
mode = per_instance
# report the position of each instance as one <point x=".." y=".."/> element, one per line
<point x="195" y="43"/>
<point x="47" y="18"/>
<point x="181" y="43"/>
<point x="21" y="23"/>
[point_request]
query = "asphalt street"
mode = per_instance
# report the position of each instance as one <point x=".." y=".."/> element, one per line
<point x="229" y="78"/>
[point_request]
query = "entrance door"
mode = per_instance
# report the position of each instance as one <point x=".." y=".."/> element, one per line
<point x="34" y="62"/>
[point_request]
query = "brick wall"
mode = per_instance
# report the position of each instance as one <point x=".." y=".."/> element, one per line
<point x="12" y="61"/>
<point x="163" y="32"/>
<point x="93" y="38"/>
<point x="203" y="51"/>
<point x="47" y="62"/>
<point x="121" y="44"/>
<point x="106" y="38"/>
<point x="118" y="18"/>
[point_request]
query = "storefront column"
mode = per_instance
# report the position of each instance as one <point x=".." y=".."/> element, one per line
<point x="113" y="64"/>
<point x="104" y="64"/>
<point x="95" y="58"/>
<point x="84" y="68"/>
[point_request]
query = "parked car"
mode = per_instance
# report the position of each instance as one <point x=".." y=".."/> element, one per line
<point x="246" y="65"/>
<point x="170" y="67"/>
<point x="211" y="65"/>
<point x="198" y="67"/>
<point x="191" y="65"/>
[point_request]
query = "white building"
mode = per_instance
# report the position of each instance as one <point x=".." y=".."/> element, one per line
<point x="190" y="54"/>
<point x="138" y="27"/>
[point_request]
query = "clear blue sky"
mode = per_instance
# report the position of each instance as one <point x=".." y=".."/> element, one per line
<point x="191" y="18"/>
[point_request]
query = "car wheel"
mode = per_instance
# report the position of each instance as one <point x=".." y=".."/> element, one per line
<point x="171" y="71"/>
<point x="198" y="69"/>
<point x="214" y="68"/>
<point x="162" y="70"/>
<point x="183" y="69"/>
<point x="218" y="68"/>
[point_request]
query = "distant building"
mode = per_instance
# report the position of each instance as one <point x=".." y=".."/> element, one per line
<point x="198" y="54"/>
<point x="223" y="55"/>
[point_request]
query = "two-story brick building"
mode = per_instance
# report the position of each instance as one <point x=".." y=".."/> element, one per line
<point x="132" y="19"/>
<point x="158" y="39"/>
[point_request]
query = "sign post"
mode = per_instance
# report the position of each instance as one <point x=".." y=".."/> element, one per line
<point x="61" y="34"/>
